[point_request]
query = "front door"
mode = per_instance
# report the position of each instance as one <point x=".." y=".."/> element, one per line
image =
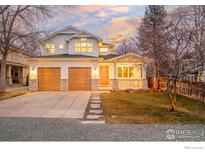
<point x="104" y="75"/>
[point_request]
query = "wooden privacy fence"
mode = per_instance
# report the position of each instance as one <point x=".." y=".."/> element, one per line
<point x="193" y="89"/>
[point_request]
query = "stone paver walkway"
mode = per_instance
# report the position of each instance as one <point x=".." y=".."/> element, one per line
<point x="94" y="110"/>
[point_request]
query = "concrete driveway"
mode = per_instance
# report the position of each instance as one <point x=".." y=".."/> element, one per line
<point x="46" y="104"/>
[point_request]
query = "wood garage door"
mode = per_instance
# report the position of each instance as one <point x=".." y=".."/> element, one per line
<point x="49" y="78"/>
<point x="79" y="78"/>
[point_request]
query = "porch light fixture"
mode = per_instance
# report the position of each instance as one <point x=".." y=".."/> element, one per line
<point x="95" y="73"/>
<point x="33" y="70"/>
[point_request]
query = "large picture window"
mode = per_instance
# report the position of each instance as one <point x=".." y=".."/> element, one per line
<point x="125" y="72"/>
<point x="83" y="47"/>
<point x="50" y="48"/>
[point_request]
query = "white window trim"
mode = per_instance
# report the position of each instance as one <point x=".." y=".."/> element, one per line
<point x="86" y="47"/>
<point x="133" y="77"/>
<point x="50" y="44"/>
<point x="63" y="46"/>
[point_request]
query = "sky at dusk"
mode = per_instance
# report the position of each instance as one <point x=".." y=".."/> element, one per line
<point x="112" y="23"/>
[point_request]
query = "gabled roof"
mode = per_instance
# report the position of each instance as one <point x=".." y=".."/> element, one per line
<point x="63" y="31"/>
<point x="75" y="33"/>
<point x="83" y="33"/>
<point x="115" y="57"/>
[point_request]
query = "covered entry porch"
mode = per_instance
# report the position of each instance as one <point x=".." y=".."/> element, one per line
<point x="16" y="74"/>
<point x="123" y="72"/>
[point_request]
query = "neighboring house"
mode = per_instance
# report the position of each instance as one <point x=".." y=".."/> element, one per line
<point x="17" y="68"/>
<point x="196" y="73"/>
<point x="77" y="60"/>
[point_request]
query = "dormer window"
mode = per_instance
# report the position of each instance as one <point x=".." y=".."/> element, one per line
<point x="50" y="48"/>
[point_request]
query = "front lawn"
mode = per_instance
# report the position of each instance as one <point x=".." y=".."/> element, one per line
<point x="151" y="108"/>
<point x="7" y="95"/>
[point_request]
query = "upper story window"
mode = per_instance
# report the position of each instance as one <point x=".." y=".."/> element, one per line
<point x="83" y="47"/>
<point x="125" y="72"/>
<point x="50" y="48"/>
<point x="61" y="46"/>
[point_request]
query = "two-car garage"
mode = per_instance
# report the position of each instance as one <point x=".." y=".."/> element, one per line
<point x="79" y="79"/>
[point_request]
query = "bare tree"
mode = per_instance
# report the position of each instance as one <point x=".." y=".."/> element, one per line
<point x="18" y="32"/>
<point x="198" y="17"/>
<point x="127" y="45"/>
<point x="180" y="37"/>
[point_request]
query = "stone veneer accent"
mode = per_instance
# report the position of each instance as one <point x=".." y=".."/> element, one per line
<point x="64" y="84"/>
<point x="115" y="86"/>
<point x="33" y="85"/>
<point x="121" y="84"/>
<point x="94" y="84"/>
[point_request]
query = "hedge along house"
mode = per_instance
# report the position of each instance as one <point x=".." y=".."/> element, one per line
<point x="77" y="60"/>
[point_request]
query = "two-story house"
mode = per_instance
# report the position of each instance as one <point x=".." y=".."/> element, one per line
<point x="76" y="60"/>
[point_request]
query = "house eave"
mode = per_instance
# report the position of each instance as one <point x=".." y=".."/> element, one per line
<point x="63" y="59"/>
<point x="143" y="59"/>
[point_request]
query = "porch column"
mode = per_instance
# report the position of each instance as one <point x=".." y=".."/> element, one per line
<point x="8" y="75"/>
<point x="115" y="82"/>
<point x="155" y="76"/>
<point x="20" y="74"/>
<point x="144" y="78"/>
<point x="144" y="71"/>
<point x="24" y="75"/>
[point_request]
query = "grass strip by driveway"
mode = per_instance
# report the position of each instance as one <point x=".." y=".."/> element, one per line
<point x="6" y="95"/>
<point x="151" y="108"/>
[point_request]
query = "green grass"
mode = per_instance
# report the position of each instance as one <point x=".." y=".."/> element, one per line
<point x="151" y="108"/>
<point x="7" y="95"/>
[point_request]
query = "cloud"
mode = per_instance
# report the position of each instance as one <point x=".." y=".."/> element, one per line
<point x="120" y="21"/>
<point x="120" y="9"/>
<point x="84" y="22"/>
<point x="120" y="28"/>
<point x="111" y="22"/>
<point x="99" y="10"/>
<point x="102" y="14"/>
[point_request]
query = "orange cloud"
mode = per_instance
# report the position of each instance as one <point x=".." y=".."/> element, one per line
<point x="119" y="21"/>
<point x="102" y="14"/>
<point x="101" y="10"/>
<point x="120" y="28"/>
<point x="120" y="9"/>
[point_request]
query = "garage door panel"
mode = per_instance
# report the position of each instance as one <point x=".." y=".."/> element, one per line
<point x="49" y="78"/>
<point x="79" y="78"/>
